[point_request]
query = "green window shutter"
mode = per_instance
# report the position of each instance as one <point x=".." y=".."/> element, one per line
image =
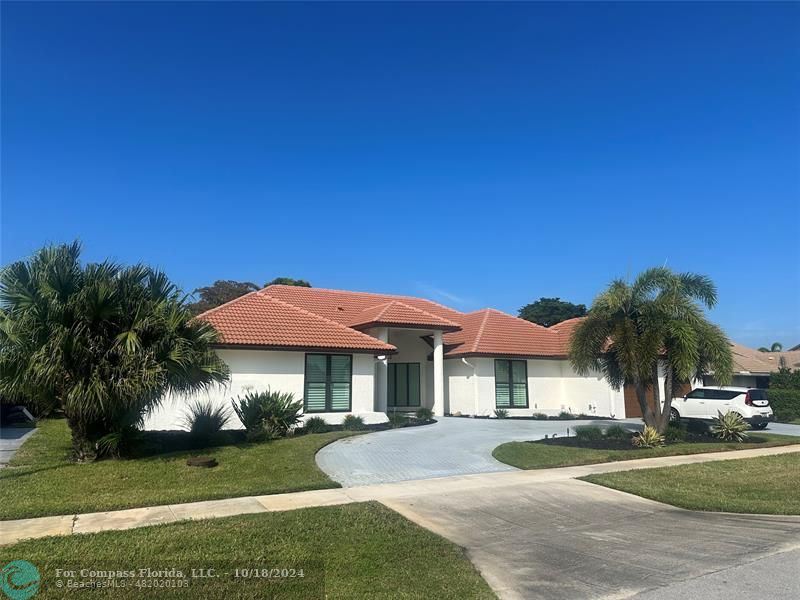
<point x="392" y="397"/>
<point x="401" y="394"/>
<point x="341" y="375"/>
<point x="519" y="373"/>
<point x="316" y="383"/>
<point x="413" y="384"/>
<point x="315" y="396"/>
<point x="316" y="368"/>
<point x="502" y="383"/>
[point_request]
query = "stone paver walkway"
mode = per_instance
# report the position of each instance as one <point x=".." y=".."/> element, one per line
<point x="392" y="494"/>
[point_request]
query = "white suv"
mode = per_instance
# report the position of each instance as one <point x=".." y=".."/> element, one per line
<point x="707" y="402"/>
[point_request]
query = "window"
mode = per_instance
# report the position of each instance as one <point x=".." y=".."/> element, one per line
<point x="403" y="385"/>
<point x="328" y="386"/>
<point x="511" y="383"/>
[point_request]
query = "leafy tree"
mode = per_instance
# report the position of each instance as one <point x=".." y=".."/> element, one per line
<point x="632" y="329"/>
<point x="220" y="292"/>
<point x="288" y="281"/>
<point x="549" y="311"/>
<point x="776" y="347"/>
<point x="107" y="342"/>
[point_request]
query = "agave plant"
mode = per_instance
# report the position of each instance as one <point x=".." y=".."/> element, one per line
<point x="649" y="437"/>
<point x="730" y="427"/>
<point x="204" y="418"/>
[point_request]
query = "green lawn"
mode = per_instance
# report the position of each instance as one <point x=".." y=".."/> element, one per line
<point x="532" y="455"/>
<point x="41" y="481"/>
<point x="351" y="551"/>
<point x="764" y="485"/>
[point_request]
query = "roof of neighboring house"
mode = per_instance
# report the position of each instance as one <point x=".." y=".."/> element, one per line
<point x="750" y="360"/>
<point x="490" y="332"/>
<point x="260" y="320"/>
<point x="288" y="317"/>
<point x="399" y="314"/>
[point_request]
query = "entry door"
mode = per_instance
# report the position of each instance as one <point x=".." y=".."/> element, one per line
<point x="403" y="385"/>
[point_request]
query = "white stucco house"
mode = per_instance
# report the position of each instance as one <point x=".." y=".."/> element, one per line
<point x="368" y="354"/>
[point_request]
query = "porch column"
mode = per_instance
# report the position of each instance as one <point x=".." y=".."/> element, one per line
<point x="381" y="374"/>
<point x="438" y="374"/>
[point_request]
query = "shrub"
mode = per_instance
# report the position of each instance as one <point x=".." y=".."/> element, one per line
<point x="353" y="423"/>
<point x="315" y="425"/>
<point x="617" y="432"/>
<point x="539" y="416"/>
<point x="424" y="414"/>
<point x="730" y="427"/>
<point x="204" y="419"/>
<point x="397" y="420"/>
<point x="675" y="433"/>
<point x="564" y="416"/>
<point x="785" y="403"/>
<point x="588" y="433"/>
<point x="267" y="414"/>
<point x="648" y="438"/>
<point x="501" y="413"/>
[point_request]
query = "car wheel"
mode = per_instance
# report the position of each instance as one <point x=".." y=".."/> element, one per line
<point x="674" y="415"/>
<point x="760" y="425"/>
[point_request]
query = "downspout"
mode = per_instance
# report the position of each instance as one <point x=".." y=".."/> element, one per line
<point x="474" y="385"/>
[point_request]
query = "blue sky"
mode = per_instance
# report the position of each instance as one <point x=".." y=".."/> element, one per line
<point x="476" y="154"/>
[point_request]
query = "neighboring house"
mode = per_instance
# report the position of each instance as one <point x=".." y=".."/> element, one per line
<point x="751" y="367"/>
<point x="362" y="353"/>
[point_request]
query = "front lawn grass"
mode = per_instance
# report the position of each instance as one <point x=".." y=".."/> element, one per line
<point x="763" y="485"/>
<point x="534" y="455"/>
<point x="351" y="551"/>
<point x="40" y="480"/>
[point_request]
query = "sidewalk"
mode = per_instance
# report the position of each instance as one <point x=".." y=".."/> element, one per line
<point x="13" y="531"/>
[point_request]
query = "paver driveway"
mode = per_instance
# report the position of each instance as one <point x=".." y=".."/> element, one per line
<point x="11" y="438"/>
<point x="453" y="446"/>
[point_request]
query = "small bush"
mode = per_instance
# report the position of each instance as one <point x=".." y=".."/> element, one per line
<point x="315" y="425"/>
<point x="397" y="420"/>
<point x="676" y="433"/>
<point x="617" y="432"/>
<point x="588" y="433"/>
<point x="501" y="413"/>
<point x="268" y="414"/>
<point x="564" y="416"/>
<point x="539" y="416"/>
<point x="424" y="414"/>
<point x="730" y="427"/>
<point x="785" y="403"/>
<point x="353" y="423"/>
<point x="648" y="438"/>
<point x="204" y="419"/>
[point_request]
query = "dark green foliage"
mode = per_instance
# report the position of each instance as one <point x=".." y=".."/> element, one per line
<point x="675" y="433"/>
<point x="269" y="414"/>
<point x="107" y="343"/>
<point x="730" y="427"/>
<point x="565" y="416"/>
<point x="424" y="414"/>
<point x="204" y="420"/>
<point x="588" y="433"/>
<point x="218" y="293"/>
<point x="785" y="403"/>
<point x="539" y="416"/>
<point x="315" y="425"/>
<point x="549" y="311"/>
<point x="397" y="420"/>
<point x="353" y="423"/>
<point x="784" y="379"/>
<point x="501" y="413"/>
<point x="288" y="281"/>
<point x="617" y="432"/>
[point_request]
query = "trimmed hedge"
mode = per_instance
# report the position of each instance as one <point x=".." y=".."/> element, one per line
<point x="785" y="404"/>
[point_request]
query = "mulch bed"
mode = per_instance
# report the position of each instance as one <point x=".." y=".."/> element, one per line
<point x="626" y="444"/>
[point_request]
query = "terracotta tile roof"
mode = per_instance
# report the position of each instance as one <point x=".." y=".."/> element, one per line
<point x="400" y="314"/>
<point x="750" y="360"/>
<point x="564" y="330"/>
<point x="260" y="320"/>
<point x="489" y="332"/>
<point x="344" y="307"/>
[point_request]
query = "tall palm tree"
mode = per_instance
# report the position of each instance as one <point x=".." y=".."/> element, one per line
<point x="635" y="331"/>
<point x="107" y="343"/>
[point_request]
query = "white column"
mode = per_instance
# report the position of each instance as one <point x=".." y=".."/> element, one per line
<point x="381" y="374"/>
<point x="438" y="374"/>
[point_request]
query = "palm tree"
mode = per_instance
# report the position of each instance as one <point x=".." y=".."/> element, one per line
<point x="108" y="343"/>
<point x="655" y="325"/>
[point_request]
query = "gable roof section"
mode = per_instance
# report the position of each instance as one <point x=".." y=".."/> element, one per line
<point x="750" y="360"/>
<point x="490" y="332"/>
<point x="344" y="307"/>
<point x="400" y="314"/>
<point x="259" y="320"/>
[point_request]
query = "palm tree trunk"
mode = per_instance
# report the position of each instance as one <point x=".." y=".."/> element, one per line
<point x="84" y="449"/>
<point x="668" y="387"/>
<point x="647" y="412"/>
